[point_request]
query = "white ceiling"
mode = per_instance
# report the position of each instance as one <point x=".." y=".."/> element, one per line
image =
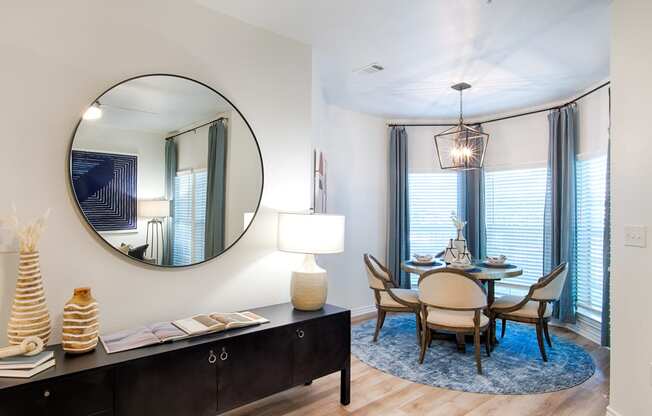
<point x="159" y="104"/>
<point x="515" y="53"/>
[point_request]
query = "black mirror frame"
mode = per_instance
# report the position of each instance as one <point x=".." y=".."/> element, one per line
<point x="162" y="266"/>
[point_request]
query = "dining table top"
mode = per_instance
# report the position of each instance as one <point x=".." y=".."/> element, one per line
<point x="480" y="270"/>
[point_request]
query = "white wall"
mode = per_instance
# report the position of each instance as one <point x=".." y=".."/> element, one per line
<point x="243" y="179"/>
<point x="355" y="146"/>
<point x="150" y="149"/>
<point x="57" y="58"/>
<point x="631" y="66"/>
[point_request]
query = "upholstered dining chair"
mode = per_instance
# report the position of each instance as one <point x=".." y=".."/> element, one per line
<point x="453" y="301"/>
<point x="388" y="297"/>
<point x="535" y="307"/>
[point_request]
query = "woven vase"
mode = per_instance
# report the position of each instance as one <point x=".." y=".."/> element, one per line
<point x="29" y="311"/>
<point x="80" y="322"/>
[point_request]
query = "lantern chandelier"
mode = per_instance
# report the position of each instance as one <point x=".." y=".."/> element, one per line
<point x="461" y="147"/>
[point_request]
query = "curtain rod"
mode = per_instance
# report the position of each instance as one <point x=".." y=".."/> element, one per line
<point x="195" y="128"/>
<point x="557" y="107"/>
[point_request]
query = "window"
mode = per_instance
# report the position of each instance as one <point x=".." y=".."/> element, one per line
<point x="432" y="197"/>
<point x="591" y="193"/>
<point x="514" y="208"/>
<point x="189" y="217"/>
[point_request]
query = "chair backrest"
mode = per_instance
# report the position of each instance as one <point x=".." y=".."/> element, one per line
<point x="376" y="273"/>
<point x="451" y="289"/>
<point x="554" y="284"/>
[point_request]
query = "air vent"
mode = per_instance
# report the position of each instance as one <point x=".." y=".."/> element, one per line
<point x="370" y="69"/>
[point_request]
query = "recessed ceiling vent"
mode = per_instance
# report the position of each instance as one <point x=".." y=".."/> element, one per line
<point x="370" y="69"/>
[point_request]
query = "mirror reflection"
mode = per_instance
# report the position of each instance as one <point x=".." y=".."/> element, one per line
<point x="166" y="170"/>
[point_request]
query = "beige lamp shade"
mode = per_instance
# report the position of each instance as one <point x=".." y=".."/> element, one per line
<point x="311" y="233"/>
<point x="157" y="208"/>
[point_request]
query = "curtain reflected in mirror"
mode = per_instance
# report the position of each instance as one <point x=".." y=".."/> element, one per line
<point x="166" y="170"/>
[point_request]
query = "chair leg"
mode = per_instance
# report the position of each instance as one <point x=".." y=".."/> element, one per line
<point x="546" y="333"/>
<point x="461" y="343"/>
<point x="380" y="320"/>
<point x="542" y="349"/>
<point x="476" y="343"/>
<point x="503" y="328"/>
<point x="424" y="344"/>
<point x="487" y="342"/>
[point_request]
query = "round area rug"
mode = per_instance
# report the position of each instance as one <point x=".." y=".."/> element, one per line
<point x="515" y="365"/>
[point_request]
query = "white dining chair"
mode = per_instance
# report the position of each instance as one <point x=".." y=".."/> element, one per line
<point x="453" y="301"/>
<point x="388" y="297"/>
<point x="533" y="308"/>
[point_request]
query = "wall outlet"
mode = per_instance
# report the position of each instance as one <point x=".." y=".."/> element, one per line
<point x="635" y="236"/>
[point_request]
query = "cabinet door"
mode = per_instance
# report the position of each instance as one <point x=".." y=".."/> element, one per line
<point x="253" y="366"/>
<point x="82" y="395"/>
<point x="321" y="346"/>
<point x="177" y="384"/>
<point x="78" y="395"/>
<point x="29" y="400"/>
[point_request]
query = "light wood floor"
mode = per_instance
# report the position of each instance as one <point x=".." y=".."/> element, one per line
<point x="376" y="393"/>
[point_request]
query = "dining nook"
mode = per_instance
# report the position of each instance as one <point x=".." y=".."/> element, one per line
<point x="497" y="248"/>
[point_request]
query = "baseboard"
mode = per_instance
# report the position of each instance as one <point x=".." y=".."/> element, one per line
<point x="612" y="412"/>
<point x="585" y="326"/>
<point x="363" y="310"/>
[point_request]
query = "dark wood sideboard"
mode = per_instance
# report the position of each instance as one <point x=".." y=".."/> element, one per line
<point x="200" y="376"/>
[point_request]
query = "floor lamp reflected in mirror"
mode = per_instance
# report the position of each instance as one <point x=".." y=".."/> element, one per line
<point x="157" y="211"/>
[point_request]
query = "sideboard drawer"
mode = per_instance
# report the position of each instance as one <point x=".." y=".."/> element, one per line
<point x="321" y="346"/>
<point x="87" y="394"/>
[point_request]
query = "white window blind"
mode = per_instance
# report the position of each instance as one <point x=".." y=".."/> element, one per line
<point x="514" y="208"/>
<point x="189" y="217"/>
<point x="432" y="197"/>
<point x="591" y="193"/>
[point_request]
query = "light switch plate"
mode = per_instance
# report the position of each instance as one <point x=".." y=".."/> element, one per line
<point x="635" y="236"/>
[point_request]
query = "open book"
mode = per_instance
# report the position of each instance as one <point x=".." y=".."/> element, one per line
<point x="141" y="337"/>
<point x="215" y="322"/>
<point x="158" y="333"/>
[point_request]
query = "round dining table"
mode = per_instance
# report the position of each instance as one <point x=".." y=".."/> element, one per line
<point x="488" y="275"/>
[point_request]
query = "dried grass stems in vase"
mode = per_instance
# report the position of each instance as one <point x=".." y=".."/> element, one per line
<point x="29" y="311"/>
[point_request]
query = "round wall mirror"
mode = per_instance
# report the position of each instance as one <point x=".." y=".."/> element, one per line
<point x="166" y="170"/>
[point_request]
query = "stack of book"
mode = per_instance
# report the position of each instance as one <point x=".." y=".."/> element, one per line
<point x="23" y="366"/>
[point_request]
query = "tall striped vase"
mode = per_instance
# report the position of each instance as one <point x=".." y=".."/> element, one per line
<point x="29" y="311"/>
<point x="80" y="322"/>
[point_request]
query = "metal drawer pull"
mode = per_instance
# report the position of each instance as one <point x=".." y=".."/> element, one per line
<point x="300" y="333"/>
<point x="224" y="355"/>
<point x="46" y="393"/>
<point x="212" y="357"/>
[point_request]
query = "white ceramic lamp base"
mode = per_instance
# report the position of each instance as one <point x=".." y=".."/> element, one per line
<point x="309" y="287"/>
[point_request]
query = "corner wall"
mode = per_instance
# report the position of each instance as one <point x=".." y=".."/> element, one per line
<point x="631" y="187"/>
<point x="355" y="146"/>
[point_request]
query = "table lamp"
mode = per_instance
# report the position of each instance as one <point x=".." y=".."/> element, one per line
<point x="310" y="234"/>
<point x="157" y="210"/>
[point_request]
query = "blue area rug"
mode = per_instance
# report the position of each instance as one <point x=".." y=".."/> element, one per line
<point x="515" y="365"/>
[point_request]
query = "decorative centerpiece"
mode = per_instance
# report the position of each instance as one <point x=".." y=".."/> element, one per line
<point x="460" y="241"/>
<point x="80" y="322"/>
<point x="457" y="252"/>
<point x="29" y="311"/>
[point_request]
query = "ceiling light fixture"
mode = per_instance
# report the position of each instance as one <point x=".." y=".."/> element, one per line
<point x="93" y="112"/>
<point x="461" y="147"/>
